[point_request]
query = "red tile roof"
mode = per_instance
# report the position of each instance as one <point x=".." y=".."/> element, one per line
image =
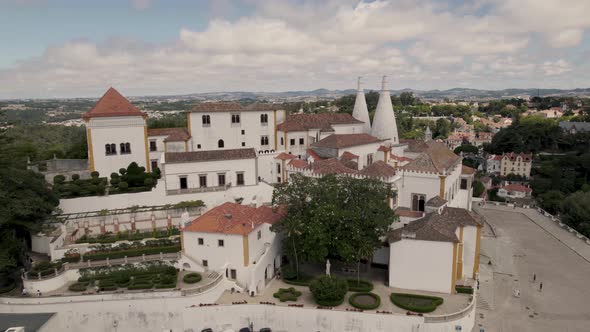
<point x="467" y="170"/>
<point x="383" y="148"/>
<point x="313" y="154"/>
<point x="232" y="218"/>
<point x="435" y="159"/>
<point x="331" y="166"/>
<point x="298" y="163"/>
<point x="339" y="141"/>
<point x="517" y="187"/>
<point x="112" y="103"/>
<point x="172" y="134"/>
<point x="406" y="212"/>
<point x="512" y="156"/>
<point x="323" y="121"/>
<point x="379" y="169"/>
<point x="348" y="156"/>
<point x="285" y="156"/>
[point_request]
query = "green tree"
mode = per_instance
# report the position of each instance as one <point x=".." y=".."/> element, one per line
<point x="576" y="211"/>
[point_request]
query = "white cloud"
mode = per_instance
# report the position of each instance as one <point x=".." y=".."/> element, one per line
<point x="286" y="45"/>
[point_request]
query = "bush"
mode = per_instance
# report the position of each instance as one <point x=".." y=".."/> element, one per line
<point x="464" y="290"/>
<point x="148" y="182"/>
<point x="59" y="179"/>
<point x="75" y="177"/>
<point x="7" y="285"/>
<point x="360" y="285"/>
<point x="122" y="171"/>
<point x="114" y="175"/>
<point x="415" y="302"/>
<point x="130" y="253"/>
<point x="287" y="294"/>
<point x="303" y="280"/>
<point x="78" y="287"/>
<point x="328" y="291"/>
<point x="140" y="286"/>
<point x="356" y="300"/>
<point x="288" y="272"/>
<point x="123" y="185"/>
<point x="192" y="278"/>
<point x="94" y="174"/>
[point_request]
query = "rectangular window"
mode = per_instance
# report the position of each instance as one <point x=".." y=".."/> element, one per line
<point x="198" y="146"/>
<point x="282" y="141"/>
<point x="154" y="164"/>
<point x="183" y="182"/>
<point x="220" y="243"/>
<point x="279" y="168"/>
<point x="240" y="179"/>
<point x="235" y="118"/>
<point x="153" y="146"/>
<point x="201" y="241"/>
<point x="233" y="274"/>
<point x="264" y="119"/>
<point x="243" y="143"/>
<point x="263" y="140"/>
<point x="243" y="132"/>
<point x="205" y="263"/>
<point x="206" y="121"/>
<point x="292" y="141"/>
<point x="202" y="181"/>
<point x="369" y="159"/>
<point x="221" y="179"/>
<point x="278" y="179"/>
<point x="259" y="235"/>
<point x="301" y="141"/>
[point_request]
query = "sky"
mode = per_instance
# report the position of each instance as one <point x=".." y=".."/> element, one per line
<point x="79" y="48"/>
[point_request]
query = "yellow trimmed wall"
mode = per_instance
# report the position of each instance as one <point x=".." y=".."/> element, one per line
<point x="246" y="249"/>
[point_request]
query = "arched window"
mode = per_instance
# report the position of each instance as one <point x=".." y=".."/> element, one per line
<point x="220" y="143"/>
<point x="107" y="149"/>
<point x="113" y="148"/>
<point x="128" y="147"/>
<point x="206" y="120"/>
<point x="418" y="202"/>
<point x="122" y="148"/>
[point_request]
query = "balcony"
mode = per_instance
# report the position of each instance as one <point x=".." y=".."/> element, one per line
<point x="197" y="190"/>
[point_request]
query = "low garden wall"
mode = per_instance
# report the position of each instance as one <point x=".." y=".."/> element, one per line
<point x="50" y="284"/>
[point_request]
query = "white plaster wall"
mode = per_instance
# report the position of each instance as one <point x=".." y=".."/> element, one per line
<point x="309" y="137"/>
<point x="40" y="243"/>
<point x="362" y="151"/>
<point x="267" y="169"/>
<point x="173" y="172"/>
<point x="469" y="241"/>
<point x="416" y="183"/>
<point x="176" y="147"/>
<point x="231" y="255"/>
<point x="260" y="193"/>
<point x="421" y="265"/>
<point x="222" y="128"/>
<point x="107" y="130"/>
<point x="49" y="285"/>
<point x="354" y="128"/>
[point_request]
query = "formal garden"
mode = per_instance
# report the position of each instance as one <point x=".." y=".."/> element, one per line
<point x="122" y="250"/>
<point x="137" y="235"/>
<point x="127" y="277"/>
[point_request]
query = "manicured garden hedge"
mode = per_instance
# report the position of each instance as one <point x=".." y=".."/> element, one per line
<point x="287" y="294"/>
<point x="45" y="268"/>
<point x="415" y="302"/>
<point x="192" y="278"/>
<point x="78" y="287"/>
<point x="302" y="281"/>
<point x="361" y="285"/>
<point x="130" y="253"/>
<point x="464" y="290"/>
<point x="356" y="298"/>
<point x="328" y="291"/>
<point x="131" y="277"/>
<point x="129" y="236"/>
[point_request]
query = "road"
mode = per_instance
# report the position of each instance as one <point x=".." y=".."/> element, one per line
<point x="520" y="249"/>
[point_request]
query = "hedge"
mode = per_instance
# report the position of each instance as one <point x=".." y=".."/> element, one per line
<point x="78" y="287"/>
<point x="361" y="285"/>
<point x="192" y="278"/>
<point x="129" y="236"/>
<point x="141" y="286"/>
<point x="131" y="253"/>
<point x="287" y="294"/>
<point x="352" y="301"/>
<point x="464" y="290"/>
<point x="404" y="301"/>
<point x="7" y="288"/>
<point x="328" y="291"/>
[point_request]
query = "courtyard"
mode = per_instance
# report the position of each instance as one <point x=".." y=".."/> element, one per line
<point x="520" y="249"/>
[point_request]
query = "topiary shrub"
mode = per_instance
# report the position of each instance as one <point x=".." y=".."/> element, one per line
<point x="59" y="179"/>
<point x="288" y="272"/>
<point x="192" y="278"/>
<point x="115" y="181"/>
<point x="114" y="175"/>
<point x="78" y="287"/>
<point x="123" y="185"/>
<point x="75" y="177"/>
<point x="415" y="302"/>
<point x="148" y="182"/>
<point x="365" y="300"/>
<point x="360" y="285"/>
<point x="328" y="291"/>
<point x="94" y="174"/>
<point x="287" y="294"/>
<point x="122" y="171"/>
<point x="464" y="289"/>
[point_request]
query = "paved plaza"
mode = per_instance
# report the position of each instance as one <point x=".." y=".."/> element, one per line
<point x="520" y="244"/>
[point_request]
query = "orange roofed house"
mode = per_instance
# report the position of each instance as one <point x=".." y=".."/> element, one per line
<point x="235" y="240"/>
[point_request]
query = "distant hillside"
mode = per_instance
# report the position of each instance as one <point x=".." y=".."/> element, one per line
<point x="454" y="93"/>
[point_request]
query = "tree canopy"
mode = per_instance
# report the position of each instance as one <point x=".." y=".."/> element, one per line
<point x="333" y="216"/>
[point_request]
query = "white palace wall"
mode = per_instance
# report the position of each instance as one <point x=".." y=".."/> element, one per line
<point x="260" y="193"/>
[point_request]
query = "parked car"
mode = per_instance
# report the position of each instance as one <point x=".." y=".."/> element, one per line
<point x="265" y="329"/>
<point x="245" y="329"/>
<point x="207" y="330"/>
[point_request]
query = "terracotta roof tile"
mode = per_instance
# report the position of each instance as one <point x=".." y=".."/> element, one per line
<point x="339" y="141"/>
<point x="172" y="134"/>
<point x="384" y="148"/>
<point x="348" y="156"/>
<point x="232" y="218"/>
<point x="467" y="170"/>
<point x="112" y="103"/>
<point x="378" y="169"/>
<point x="285" y="156"/>
<point x="437" y="158"/>
<point x="209" y="155"/>
<point x="436" y="227"/>
<point x="322" y="121"/>
<point x="313" y="154"/>
<point x="298" y="163"/>
<point x="436" y="201"/>
<point x="414" y="145"/>
<point x="407" y="212"/>
<point x="331" y="166"/>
